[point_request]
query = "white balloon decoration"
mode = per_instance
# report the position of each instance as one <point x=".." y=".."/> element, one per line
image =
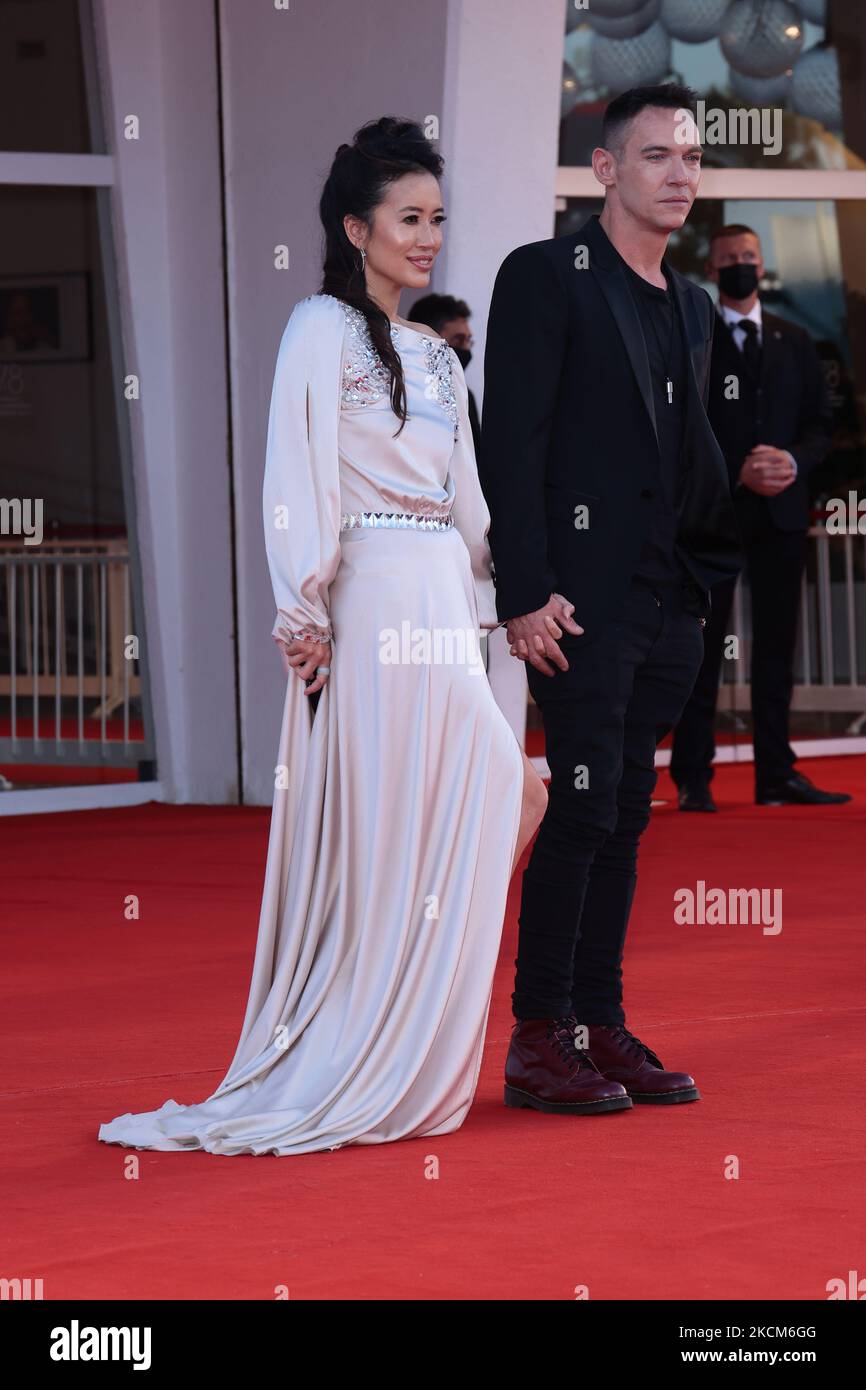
<point x="693" y="21"/>
<point x="617" y="64"/>
<point x="760" y="91"/>
<point x="815" y="87"/>
<point x="813" y="10"/>
<point x="629" y="25"/>
<point x="761" y="38"/>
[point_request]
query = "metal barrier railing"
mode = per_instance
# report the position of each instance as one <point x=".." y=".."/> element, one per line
<point x="68" y="614"/>
<point x="70" y="670"/>
<point x="830" y="659"/>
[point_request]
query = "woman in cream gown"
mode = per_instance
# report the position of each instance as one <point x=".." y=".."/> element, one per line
<point x="397" y="806"/>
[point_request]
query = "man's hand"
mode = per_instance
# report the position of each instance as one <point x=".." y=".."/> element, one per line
<point x="534" y="637"/>
<point x="767" y="471"/>
<point x="303" y="657"/>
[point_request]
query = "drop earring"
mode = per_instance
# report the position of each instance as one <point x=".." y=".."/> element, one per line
<point x="363" y="259"/>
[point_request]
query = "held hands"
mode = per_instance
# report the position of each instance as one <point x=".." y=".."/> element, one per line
<point x="303" y="657"/>
<point x="534" y="637"/>
<point x="767" y="471"/>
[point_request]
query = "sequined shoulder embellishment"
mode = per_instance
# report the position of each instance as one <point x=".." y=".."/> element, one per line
<point x="365" y="377"/>
<point x="439" y="383"/>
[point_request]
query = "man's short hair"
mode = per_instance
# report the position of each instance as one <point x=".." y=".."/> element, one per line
<point x="622" y="110"/>
<point x="732" y="229"/>
<point x="436" y="309"/>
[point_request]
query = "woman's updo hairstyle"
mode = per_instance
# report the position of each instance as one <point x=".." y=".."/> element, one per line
<point x="382" y="151"/>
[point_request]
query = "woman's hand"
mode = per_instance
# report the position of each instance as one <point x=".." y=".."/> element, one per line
<point x="303" y="657"/>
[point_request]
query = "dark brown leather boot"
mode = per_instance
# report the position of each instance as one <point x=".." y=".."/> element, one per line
<point x="545" y="1070"/>
<point x="620" y="1056"/>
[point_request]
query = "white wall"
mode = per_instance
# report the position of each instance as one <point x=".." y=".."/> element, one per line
<point x="500" y="140"/>
<point x="157" y="62"/>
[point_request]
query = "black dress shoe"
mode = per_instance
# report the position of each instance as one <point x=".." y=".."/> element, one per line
<point x="797" y="790"/>
<point x="696" y="796"/>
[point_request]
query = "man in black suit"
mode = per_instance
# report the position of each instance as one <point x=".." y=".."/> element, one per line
<point x="766" y="384"/>
<point x="610" y="501"/>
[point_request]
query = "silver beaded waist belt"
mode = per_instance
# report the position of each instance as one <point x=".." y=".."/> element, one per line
<point x="403" y="521"/>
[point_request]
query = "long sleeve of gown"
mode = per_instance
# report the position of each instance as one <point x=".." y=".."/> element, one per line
<point x="301" y="495"/>
<point x="301" y="507"/>
<point x="469" y="509"/>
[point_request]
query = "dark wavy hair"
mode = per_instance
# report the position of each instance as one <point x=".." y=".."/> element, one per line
<point x="623" y="109"/>
<point x="381" y="152"/>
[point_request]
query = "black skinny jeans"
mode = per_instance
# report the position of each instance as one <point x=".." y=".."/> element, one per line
<point x="624" y="690"/>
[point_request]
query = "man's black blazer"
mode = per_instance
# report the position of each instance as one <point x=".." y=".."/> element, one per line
<point x="569" y="421"/>
<point x="788" y="406"/>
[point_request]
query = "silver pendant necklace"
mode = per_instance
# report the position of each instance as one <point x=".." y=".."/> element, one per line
<point x="669" y="381"/>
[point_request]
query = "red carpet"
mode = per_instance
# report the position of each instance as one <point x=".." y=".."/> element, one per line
<point x="104" y="1015"/>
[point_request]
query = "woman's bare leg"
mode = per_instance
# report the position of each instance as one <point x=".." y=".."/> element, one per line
<point x="533" y="809"/>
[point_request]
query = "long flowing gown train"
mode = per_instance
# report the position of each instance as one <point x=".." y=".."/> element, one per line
<point x="397" y="806"/>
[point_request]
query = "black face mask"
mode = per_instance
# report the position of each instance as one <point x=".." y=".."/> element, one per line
<point x="464" y="356"/>
<point x="738" y="281"/>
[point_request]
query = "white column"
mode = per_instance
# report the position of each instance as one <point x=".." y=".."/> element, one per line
<point x="499" y="136"/>
<point x="158" y="64"/>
